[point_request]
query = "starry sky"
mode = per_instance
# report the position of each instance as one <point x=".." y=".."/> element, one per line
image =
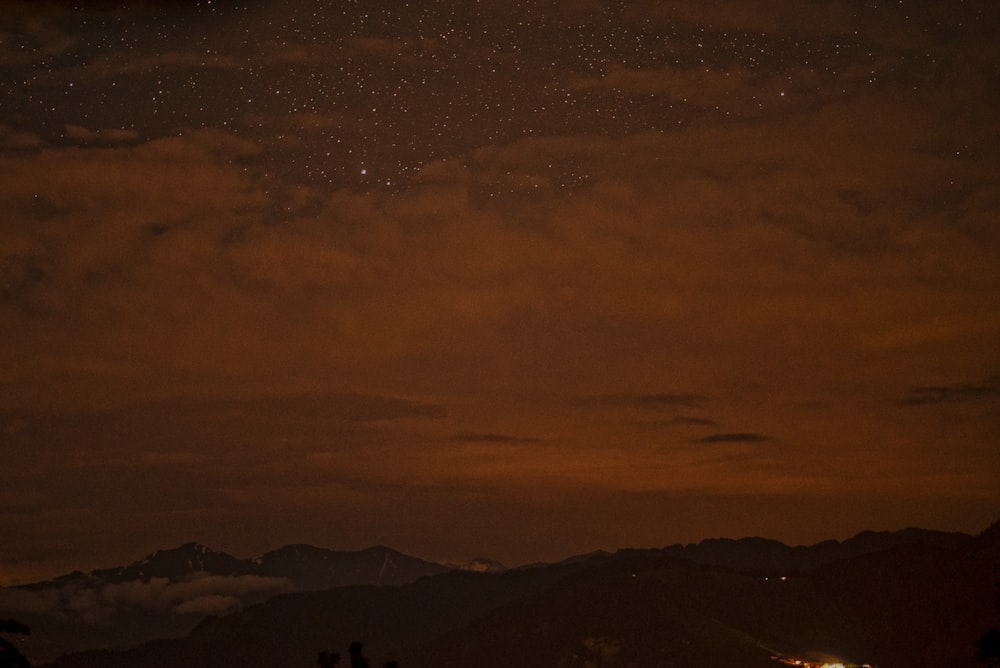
<point x="506" y="278"/>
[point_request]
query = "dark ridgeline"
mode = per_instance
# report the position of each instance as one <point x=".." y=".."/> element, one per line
<point x="923" y="601"/>
<point x="308" y="567"/>
<point x="64" y="609"/>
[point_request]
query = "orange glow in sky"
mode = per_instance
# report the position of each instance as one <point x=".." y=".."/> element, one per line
<point x="519" y="281"/>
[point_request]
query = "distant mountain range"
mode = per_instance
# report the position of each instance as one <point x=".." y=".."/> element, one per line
<point x="170" y="591"/>
<point x="904" y="598"/>
<point x="305" y="566"/>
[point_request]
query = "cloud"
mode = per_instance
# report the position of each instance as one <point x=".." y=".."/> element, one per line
<point x="301" y="284"/>
<point x="813" y="19"/>
<point x="476" y="437"/>
<point x="92" y="602"/>
<point x="987" y="389"/>
<point x="29" y="36"/>
<point x="377" y="47"/>
<point x="209" y="605"/>
<point x="729" y="89"/>
<point x="104" y="136"/>
<point x="12" y="139"/>
<point x="354" y="337"/>
<point x="732" y="437"/>
<point x="712" y="13"/>
<point x="173" y="458"/>
<point x="681" y="421"/>
<point x="655" y="401"/>
<point x="348" y="407"/>
<point x="695" y="421"/>
<point x="104" y="66"/>
<point x="14" y="600"/>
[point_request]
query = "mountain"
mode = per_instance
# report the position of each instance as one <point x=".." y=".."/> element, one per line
<point x="311" y="568"/>
<point x="290" y="629"/>
<point x="911" y="605"/>
<point x="307" y="567"/>
<point x="914" y="598"/>
<point x="167" y="593"/>
<point x="763" y="555"/>
<point x="480" y="565"/>
<point x="177" y="564"/>
<point x="988" y="542"/>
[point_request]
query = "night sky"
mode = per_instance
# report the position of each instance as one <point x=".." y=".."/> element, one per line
<point x="511" y="278"/>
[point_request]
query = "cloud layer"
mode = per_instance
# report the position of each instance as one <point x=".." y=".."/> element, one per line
<point x="258" y="269"/>
<point x="80" y="600"/>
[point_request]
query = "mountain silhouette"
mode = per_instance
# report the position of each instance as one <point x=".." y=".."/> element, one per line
<point x="900" y="599"/>
<point x="317" y="568"/>
<point x="176" y="563"/>
<point x="167" y="593"/>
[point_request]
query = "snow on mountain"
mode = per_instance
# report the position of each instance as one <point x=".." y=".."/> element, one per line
<point x="480" y="565"/>
<point x="168" y="592"/>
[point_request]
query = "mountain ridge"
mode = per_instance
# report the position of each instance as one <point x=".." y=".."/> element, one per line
<point x="176" y="591"/>
<point x="170" y="591"/>
<point x="912" y="603"/>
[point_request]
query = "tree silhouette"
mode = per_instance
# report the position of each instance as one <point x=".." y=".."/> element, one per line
<point x="358" y="659"/>
<point x="328" y="659"/>
<point x="10" y="656"/>
<point x="988" y="645"/>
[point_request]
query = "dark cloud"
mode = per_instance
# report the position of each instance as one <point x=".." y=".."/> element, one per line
<point x="100" y="136"/>
<point x="823" y="16"/>
<point x="655" y="401"/>
<point x="18" y="555"/>
<point x="732" y="437"/>
<point x="683" y="420"/>
<point x="19" y="276"/>
<point x="678" y="421"/>
<point x="349" y="407"/>
<point x="11" y="139"/>
<point x="987" y="389"/>
<point x="475" y="437"/>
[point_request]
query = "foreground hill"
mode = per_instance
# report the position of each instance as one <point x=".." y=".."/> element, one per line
<point x="910" y="606"/>
<point x="914" y="603"/>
